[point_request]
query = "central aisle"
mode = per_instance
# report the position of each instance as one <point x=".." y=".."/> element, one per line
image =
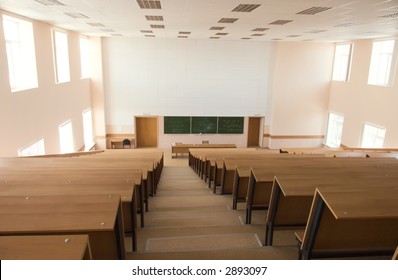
<point x="187" y="221"/>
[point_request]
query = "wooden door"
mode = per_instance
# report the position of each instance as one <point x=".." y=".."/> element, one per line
<point x="253" y="135"/>
<point x="146" y="132"/>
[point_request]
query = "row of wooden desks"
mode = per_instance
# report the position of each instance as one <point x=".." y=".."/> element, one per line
<point x="98" y="216"/>
<point x="285" y="185"/>
<point x="73" y="186"/>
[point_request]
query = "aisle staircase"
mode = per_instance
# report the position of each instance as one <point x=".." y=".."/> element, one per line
<point x="187" y="221"/>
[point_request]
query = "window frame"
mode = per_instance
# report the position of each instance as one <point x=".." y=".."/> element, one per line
<point x="58" y="59"/>
<point x="84" y="59"/>
<point x="363" y="135"/>
<point x="327" y="143"/>
<point x="22" y="67"/>
<point x="63" y="149"/>
<point x="40" y="141"/>
<point x="348" y="66"/>
<point x="88" y="144"/>
<point x="373" y="81"/>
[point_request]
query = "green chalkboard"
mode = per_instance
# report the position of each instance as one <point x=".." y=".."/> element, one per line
<point x="204" y="125"/>
<point x="230" y="125"/>
<point x="177" y="125"/>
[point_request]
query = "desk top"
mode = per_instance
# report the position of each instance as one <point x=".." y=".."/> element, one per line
<point x="361" y="203"/>
<point x="62" y="213"/>
<point x="291" y="185"/>
<point x="47" y="247"/>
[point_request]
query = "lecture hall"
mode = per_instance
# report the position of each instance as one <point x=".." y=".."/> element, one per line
<point x="198" y="130"/>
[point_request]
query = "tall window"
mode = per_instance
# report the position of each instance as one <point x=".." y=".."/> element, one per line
<point x="372" y="136"/>
<point x="84" y="58"/>
<point x="66" y="142"/>
<point x="381" y="63"/>
<point x="21" y="54"/>
<point x="61" y="56"/>
<point x="34" y="149"/>
<point x="342" y="59"/>
<point x="88" y="129"/>
<point x="335" y="130"/>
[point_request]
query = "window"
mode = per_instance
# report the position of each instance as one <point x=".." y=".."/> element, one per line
<point x="88" y="129"/>
<point x="372" y="136"/>
<point x="84" y="58"/>
<point x="61" y="56"/>
<point x="66" y="138"/>
<point x="34" y="149"/>
<point x="380" y="64"/>
<point x="342" y="59"/>
<point x="335" y="130"/>
<point x="21" y="55"/>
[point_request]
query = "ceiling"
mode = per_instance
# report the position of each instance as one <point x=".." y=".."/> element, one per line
<point x="262" y="20"/>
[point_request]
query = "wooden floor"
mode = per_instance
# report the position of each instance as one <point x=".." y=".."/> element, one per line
<point x="187" y="221"/>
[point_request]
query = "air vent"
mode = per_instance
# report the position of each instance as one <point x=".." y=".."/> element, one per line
<point x="50" y="2"/>
<point x="246" y="38"/>
<point x="146" y="31"/>
<point x="116" y="35"/>
<point x="348" y="24"/>
<point x="76" y="15"/>
<point x="390" y="16"/>
<point x="96" y="24"/>
<point x="246" y="8"/>
<point x="293" y="36"/>
<point x="280" y="22"/>
<point x="277" y="39"/>
<point x="260" y="29"/>
<point x="150" y="36"/>
<point x="221" y="34"/>
<point x="227" y="20"/>
<point x="214" y="37"/>
<point x="316" y="31"/>
<point x="157" y="26"/>
<point x="144" y="4"/>
<point x="314" y="10"/>
<point x="217" y="28"/>
<point x="257" y="35"/>
<point x="154" y="18"/>
<point x="182" y="37"/>
<point x="107" y="30"/>
<point x="184" y="32"/>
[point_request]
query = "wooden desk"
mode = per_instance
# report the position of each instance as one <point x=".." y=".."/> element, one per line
<point x="184" y="148"/>
<point x="292" y="196"/>
<point x="99" y="217"/>
<point x="119" y="141"/>
<point x="45" y="247"/>
<point x="352" y="222"/>
<point x="89" y="186"/>
<point x="395" y="257"/>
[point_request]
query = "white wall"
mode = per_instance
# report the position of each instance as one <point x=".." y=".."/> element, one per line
<point x="301" y="85"/>
<point x="183" y="77"/>
<point x="362" y="103"/>
<point x="27" y="116"/>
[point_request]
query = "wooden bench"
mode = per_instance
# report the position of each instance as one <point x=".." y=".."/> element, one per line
<point x="351" y="222"/>
<point x="45" y="247"/>
<point x="99" y="217"/>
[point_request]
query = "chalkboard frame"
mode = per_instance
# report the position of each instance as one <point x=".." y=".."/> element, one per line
<point x="177" y="125"/>
<point x="230" y="125"/>
<point x="204" y="125"/>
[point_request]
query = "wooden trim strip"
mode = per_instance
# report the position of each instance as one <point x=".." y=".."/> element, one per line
<point x="294" y="136"/>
